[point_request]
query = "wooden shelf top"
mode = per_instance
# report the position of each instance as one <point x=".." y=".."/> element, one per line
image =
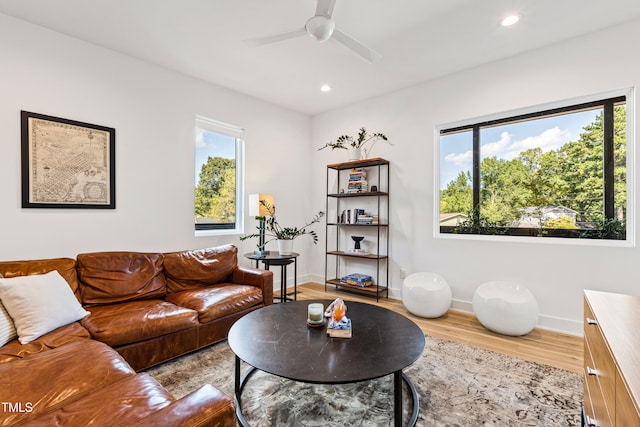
<point x="376" y="161"/>
<point x="361" y="194"/>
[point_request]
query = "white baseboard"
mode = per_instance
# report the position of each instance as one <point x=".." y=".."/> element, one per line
<point x="545" y="322"/>
<point x="548" y="323"/>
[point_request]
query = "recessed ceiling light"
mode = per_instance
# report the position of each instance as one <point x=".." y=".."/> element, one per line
<point x="325" y="88"/>
<point x="509" y="20"/>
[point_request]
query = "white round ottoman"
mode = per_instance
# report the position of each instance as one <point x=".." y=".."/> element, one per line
<point x="426" y="294"/>
<point x="505" y="307"/>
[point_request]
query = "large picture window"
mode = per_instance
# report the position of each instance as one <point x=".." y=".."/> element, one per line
<point x="218" y="178"/>
<point x="555" y="172"/>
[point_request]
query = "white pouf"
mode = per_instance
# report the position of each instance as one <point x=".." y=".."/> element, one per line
<point x="505" y="307"/>
<point x="426" y="294"/>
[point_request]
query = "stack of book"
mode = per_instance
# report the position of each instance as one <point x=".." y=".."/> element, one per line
<point x="364" y="218"/>
<point x="353" y="216"/>
<point x="358" y="216"/>
<point x="357" y="181"/>
<point x="358" y="279"/>
<point x="340" y="329"/>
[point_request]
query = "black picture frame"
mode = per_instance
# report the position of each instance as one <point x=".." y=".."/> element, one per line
<point x="67" y="163"/>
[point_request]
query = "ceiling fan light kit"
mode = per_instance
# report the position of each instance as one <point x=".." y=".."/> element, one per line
<point x="321" y="27"/>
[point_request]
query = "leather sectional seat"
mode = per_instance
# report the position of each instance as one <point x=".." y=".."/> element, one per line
<point x="144" y="309"/>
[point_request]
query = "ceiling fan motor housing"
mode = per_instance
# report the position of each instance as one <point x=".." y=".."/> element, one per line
<point x="320" y="27"/>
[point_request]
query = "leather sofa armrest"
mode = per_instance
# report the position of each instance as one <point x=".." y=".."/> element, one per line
<point x="206" y="406"/>
<point x="262" y="279"/>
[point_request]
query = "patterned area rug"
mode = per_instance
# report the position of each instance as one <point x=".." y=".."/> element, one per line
<point x="458" y="385"/>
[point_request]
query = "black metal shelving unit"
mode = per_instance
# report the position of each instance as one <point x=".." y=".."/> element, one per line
<point x="337" y="256"/>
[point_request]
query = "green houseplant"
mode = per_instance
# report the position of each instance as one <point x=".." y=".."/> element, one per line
<point x="356" y="143"/>
<point x="275" y="231"/>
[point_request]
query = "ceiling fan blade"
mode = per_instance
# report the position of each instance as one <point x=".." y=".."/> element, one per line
<point x="260" y="41"/>
<point x="325" y="7"/>
<point x="357" y="47"/>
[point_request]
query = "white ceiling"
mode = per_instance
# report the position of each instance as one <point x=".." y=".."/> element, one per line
<point x="419" y="39"/>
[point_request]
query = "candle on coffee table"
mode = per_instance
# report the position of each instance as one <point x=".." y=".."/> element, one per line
<point x="315" y="312"/>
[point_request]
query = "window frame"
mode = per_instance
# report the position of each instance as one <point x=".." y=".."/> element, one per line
<point x="547" y="110"/>
<point x="215" y="126"/>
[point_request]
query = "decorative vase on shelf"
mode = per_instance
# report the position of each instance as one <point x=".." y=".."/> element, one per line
<point x="354" y="153"/>
<point x="285" y="246"/>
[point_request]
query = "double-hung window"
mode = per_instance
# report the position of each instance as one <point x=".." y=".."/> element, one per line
<point x="218" y="178"/>
<point x="557" y="171"/>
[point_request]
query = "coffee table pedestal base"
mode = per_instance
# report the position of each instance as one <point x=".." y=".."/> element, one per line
<point x="398" y="378"/>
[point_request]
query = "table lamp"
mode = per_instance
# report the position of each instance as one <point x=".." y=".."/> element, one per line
<point x="260" y="211"/>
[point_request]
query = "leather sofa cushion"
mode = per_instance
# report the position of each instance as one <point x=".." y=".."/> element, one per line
<point x="65" y="266"/>
<point x="126" y="401"/>
<point x="112" y="277"/>
<point x="134" y="321"/>
<point x="70" y="333"/>
<point x="206" y="406"/>
<point x="30" y="380"/>
<point x="214" y="302"/>
<point x="197" y="268"/>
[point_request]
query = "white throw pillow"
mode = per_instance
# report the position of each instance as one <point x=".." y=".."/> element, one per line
<point x="39" y="304"/>
<point x="7" y="328"/>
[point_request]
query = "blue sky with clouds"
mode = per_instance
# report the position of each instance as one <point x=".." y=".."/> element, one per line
<point x="212" y="144"/>
<point x="507" y="141"/>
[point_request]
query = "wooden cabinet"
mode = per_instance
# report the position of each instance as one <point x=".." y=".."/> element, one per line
<point x="611" y="359"/>
<point x="347" y="198"/>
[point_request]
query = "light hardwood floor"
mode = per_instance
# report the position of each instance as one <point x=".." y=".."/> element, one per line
<point x="547" y="347"/>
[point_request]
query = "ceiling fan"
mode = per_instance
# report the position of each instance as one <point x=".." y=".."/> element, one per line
<point x="322" y="28"/>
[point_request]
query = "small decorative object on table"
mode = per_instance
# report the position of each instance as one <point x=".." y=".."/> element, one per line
<point x="315" y="315"/>
<point x="339" y="325"/>
<point x="270" y="227"/>
<point x="357" y="249"/>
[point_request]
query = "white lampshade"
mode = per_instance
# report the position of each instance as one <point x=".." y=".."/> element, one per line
<point x="255" y="208"/>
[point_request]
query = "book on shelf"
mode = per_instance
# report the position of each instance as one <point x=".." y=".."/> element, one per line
<point x="357" y="181"/>
<point x="358" y="276"/>
<point x="364" y="218"/>
<point x="355" y="216"/>
<point x="355" y="252"/>
<point x="357" y="279"/>
<point x="357" y="173"/>
<point x="340" y="329"/>
<point x="362" y="187"/>
<point x="358" y="284"/>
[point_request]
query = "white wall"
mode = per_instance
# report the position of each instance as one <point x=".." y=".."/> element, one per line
<point x="153" y="112"/>
<point x="556" y="274"/>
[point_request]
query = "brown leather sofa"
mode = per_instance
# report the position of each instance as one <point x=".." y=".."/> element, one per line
<point x="145" y="308"/>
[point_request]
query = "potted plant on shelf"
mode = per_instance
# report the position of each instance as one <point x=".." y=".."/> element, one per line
<point x="284" y="235"/>
<point x="355" y="145"/>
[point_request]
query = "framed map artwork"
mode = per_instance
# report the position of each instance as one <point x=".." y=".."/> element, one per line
<point x="67" y="164"/>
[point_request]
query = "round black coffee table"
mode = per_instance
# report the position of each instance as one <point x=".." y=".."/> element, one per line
<point x="276" y="339"/>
